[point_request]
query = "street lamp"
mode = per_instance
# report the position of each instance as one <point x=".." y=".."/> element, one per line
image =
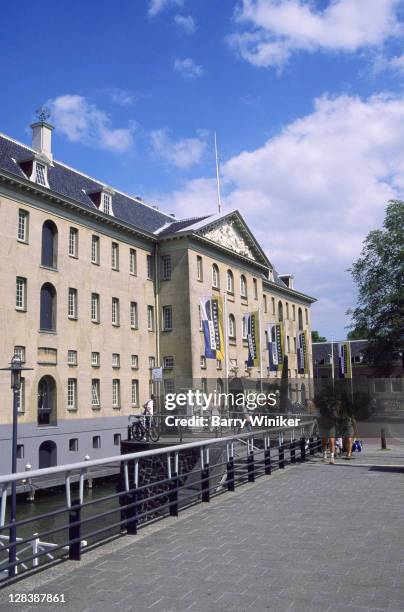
<point x="15" y="368"/>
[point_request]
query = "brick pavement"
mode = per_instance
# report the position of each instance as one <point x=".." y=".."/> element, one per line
<point x="313" y="538"/>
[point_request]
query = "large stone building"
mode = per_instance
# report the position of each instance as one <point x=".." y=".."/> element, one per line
<point x="99" y="287"/>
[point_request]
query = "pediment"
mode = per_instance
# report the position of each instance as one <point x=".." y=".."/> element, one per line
<point x="229" y="235"/>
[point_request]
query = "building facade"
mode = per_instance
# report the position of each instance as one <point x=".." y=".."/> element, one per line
<point x="99" y="287"/>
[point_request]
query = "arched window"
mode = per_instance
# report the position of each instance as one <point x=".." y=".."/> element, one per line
<point x="215" y="277"/>
<point x="300" y="317"/>
<point x="280" y="311"/>
<point x="230" y="281"/>
<point x="232" y="326"/>
<point x="243" y="286"/>
<point x="48" y="308"/>
<point x="47" y="409"/>
<point x="49" y="253"/>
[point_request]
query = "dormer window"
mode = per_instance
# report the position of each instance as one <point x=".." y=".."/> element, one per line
<point x="106" y="203"/>
<point x="40" y="174"/>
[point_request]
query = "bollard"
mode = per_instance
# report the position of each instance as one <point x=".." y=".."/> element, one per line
<point x="281" y="450"/>
<point x="75" y="531"/>
<point x="205" y="484"/>
<point x="267" y="461"/>
<point x="250" y="467"/>
<point x="303" y="449"/>
<point x="383" y="438"/>
<point x="230" y="474"/>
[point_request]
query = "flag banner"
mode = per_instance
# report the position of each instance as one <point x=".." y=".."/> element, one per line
<point x="344" y="358"/>
<point x="275" y="346"/>
<point x="251" y="321"/>
<point x="212" y="324"/>
<point x="302" y="356"/>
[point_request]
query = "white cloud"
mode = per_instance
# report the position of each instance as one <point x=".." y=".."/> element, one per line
<point x="397" y="63"/>
<point x="271" y="30"/>
<point x="81" y="121"/>
<point x="183" y="153"/>
<point x="156" y="6"/>
<point x="186" y="22"/>
<point x="187" y="68"/>
<point x="122" y="97"/>
<point x="311" y="193"/>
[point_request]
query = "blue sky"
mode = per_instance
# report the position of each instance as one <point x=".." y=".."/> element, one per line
<point x="306" y="97"/>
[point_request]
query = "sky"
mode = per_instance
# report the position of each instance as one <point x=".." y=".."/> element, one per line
<point x="306" y="98"/>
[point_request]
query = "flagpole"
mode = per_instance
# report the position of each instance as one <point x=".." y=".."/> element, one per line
<point x="332" y="361"/>
<point x="219" y="200"/>
<point x="351" y="366"/>
<point x="226" y="345"/>
<point x="260" y="341"/>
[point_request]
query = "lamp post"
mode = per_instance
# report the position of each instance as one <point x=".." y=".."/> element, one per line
<point x="15" y="368"/>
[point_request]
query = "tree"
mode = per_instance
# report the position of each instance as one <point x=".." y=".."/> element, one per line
<point x="315" y="337"/>
<point x="379" y="276"/>
<point x="358" y="334"/>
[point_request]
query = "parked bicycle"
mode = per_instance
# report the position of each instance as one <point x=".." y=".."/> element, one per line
<point x="144" y="428"/>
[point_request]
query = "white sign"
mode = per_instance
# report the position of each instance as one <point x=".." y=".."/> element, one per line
<point x="157" y="374"/>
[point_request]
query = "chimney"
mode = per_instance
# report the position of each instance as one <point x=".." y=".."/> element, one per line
<point x="42" y="134"/>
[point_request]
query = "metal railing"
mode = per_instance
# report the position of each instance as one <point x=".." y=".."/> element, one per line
<point x="184" y="475"/>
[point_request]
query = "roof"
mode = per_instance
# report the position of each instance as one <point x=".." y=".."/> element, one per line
<point x="321" y="350"/>
<point x="73" y="184"/>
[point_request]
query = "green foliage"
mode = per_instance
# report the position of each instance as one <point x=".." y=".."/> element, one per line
<point x="315" y="337"/>
<point x="358" y="334"/>
<point x="379" y="276"/>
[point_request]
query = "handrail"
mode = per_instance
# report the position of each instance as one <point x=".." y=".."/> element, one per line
<point x="68" y="467"/>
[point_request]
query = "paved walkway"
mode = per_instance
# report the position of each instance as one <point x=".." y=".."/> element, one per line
<point x="312" y="538"/>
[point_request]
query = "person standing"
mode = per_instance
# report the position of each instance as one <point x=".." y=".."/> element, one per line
<point x="328" y="425"/>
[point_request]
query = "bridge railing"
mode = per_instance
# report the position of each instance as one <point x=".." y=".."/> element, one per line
<point x="153" y="484"/>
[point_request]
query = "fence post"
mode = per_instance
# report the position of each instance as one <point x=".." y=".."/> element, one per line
<point x="383" y="438"/>
<point x="311" y="445"/>
<point x="292" y="450"/>
<point x="302" y="449"/>
<point x="75" y="531"/>
<point x="281" y="451"/>
<point x="131" y="512"/>
<point x="230" y="467"/>
<point x="250" y="460"/>
<point x="205" y="475"/>
<point x="173" y="486"/>
<point x="267" y="455"/>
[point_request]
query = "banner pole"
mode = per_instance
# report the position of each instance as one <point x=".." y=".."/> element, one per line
<point x="260" y="341"/>
<point x="226" y="345"/>
<point x="332" y="362"/>
<point x="351" y="367"/>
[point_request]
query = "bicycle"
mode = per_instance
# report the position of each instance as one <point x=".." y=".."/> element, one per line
<point x="140" y="430"/>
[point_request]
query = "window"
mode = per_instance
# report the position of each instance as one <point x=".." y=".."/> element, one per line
<point x="49" y="245"/>
<point x="21" y="293"/>
<point x="244" y="328"/>
<point x="243" y="286"/>
<point x="288" y="343"/>
<point x="380" y="385"/>
<point x="106" y="204"/>
<point x="149" y="264"/>
<point x="215" y="277"/>
<point x="116" y="393"/>
<point x="73" y="242"/>
<point x="21" y="397"/>
<point x="116" y="360"/>
<point x="218" y="364"/>
<point x="169" y="385"/>
<point x="48" y="308"/>
<point x="294" y="345"/>
<point x="40" y="175"/>
<point x="115" y="311"/>
<point x="203" y="361"/>
<point x="132" y="262"/>
<point x="152" y="362"/>
<point x="230" y="282"/>
<point x="133" y="315"/>
<point x="306" y="313"/>
<point x="280" y="311"/>
<point x="117" y="439"/>
<point x="115" y="256"/>
<point x="150" y="318"/>
<point x="167" y="318"/>
<point x="72" y="358"/>
<point x="265" y="304"/>
<point x="397" y="384"/>
<point x="72" y="304"/>
<point x="135" y="392"/>
<point x="95" y="392"/>
<point x="168" y="363"/>
<point x="273" y="305"/>
<point x="134" y="362"/>
<point x="20" y="451"/>
<point x="287" y="310"/>
<point x="95" y="308"/>
<point x="72" y="394"/>
<point x="95" y="250"/>
<point x="200" y="319"/>
<point x="294" y="312"/>
<point x="204" y="385"/>
<point x="300" y="317"/>
<point x="73" y="445"/>
<point x="95" y="359"/>
<point x="23" y="221"/>
<point x="232" y="327"/>
<point x="255" y="286"/>
<point x="96" y="442"/>
<point x="19" y="351"/>
<point x="199" y="268"/>
<point x="166" y="267"/>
